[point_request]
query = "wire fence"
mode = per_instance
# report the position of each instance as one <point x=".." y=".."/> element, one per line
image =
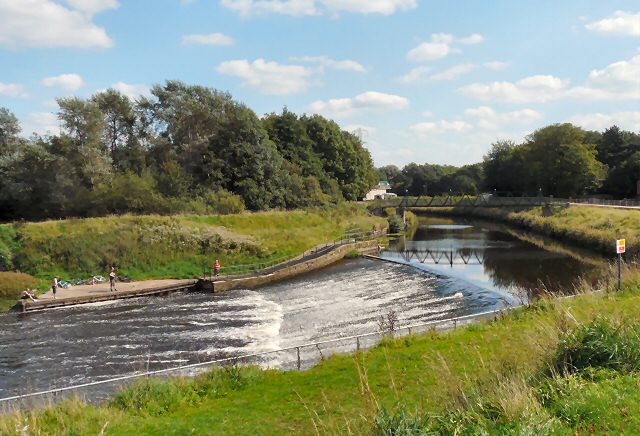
<point x="298" y="357"/>
<point x="264" y="268"/>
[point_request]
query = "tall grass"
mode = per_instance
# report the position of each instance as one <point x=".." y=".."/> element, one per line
<point x="171" y="247"/>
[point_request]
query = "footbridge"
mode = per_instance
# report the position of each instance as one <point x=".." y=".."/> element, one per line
<point x="467" y="201"/>
<point x="466" y="256"/>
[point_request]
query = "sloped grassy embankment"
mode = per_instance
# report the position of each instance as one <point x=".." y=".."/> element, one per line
<point x="154" y="246"/>
<point x="562" y="366"/>
<point x="594" y="228"/>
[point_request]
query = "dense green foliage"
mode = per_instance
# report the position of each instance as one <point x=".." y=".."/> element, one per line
<point x="560" y="159"/>
<point x="183" y="149"/>
<point x="431" y="179"/>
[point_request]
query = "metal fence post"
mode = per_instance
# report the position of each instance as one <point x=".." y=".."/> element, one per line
<point x="298" y="351"/>
<point x="357" y="343"/>
<point x="455" y="323"/>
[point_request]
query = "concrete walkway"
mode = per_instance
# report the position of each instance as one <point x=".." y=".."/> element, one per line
<point x="100" y="289"/>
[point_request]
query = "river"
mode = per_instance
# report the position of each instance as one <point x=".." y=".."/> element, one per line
<point x="98" y="341"/>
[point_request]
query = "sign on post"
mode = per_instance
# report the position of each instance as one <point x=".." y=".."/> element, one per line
<point x="620" y="248"/>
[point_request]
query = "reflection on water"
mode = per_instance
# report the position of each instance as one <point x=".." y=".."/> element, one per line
<point x="494" y="257"/>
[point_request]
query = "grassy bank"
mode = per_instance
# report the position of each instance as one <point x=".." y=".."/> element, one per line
<point x="561" y="366"/>
<point x="169" y="247"/>
<point x="594" y="228"/>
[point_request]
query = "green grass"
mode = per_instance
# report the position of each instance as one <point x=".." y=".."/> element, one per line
<point x="170" y="247"/>
<point x="527" y="373"/>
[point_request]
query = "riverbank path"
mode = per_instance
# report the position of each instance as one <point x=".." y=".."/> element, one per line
<point x="102" y="289"/>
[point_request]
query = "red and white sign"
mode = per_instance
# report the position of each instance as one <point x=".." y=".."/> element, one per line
<point x="620" y="246"/>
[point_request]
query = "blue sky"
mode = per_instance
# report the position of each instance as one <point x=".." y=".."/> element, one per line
<point x="421" y="81"/>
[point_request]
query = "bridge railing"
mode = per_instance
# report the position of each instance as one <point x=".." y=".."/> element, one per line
<point x="266" y="267"/>
<point x="465" y="201"/>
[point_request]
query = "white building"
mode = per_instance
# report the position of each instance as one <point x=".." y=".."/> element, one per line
<point x="379" y="192"/>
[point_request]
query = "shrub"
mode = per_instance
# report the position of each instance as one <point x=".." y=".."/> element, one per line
<point x="13" y="283"/>
<point x="602" y="343"/>
<point x="6" y="261"/>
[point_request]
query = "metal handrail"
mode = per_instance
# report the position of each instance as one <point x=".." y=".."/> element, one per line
<point x="259" y="267"/>
<point x="262" y="353"/>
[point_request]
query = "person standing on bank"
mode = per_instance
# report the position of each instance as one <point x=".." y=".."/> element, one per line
<point x="54" y="285"/>
<point x="216" y="267"/>
<point x="112" y="279"/>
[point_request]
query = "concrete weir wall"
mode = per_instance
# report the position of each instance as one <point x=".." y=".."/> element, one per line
<point x="291" y="271"/>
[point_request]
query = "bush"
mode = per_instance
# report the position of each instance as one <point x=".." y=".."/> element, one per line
<point x="13" y="283"/>
<point x="602" y="343"/>
<point x="396" y="224"/>
<point x="6" y="261"/>
<point x="223" y="202"/>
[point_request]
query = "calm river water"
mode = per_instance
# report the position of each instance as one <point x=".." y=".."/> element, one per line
<point x="98" y="341"/>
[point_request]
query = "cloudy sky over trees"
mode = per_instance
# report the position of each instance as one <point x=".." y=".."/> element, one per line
<point x="418" y="80"/>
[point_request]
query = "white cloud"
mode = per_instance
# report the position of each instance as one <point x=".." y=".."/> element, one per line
<point x="421" y="73"/>
<point x="384" y="7"/>
<point x="617" y="81"/>
<point x="318" y="7"/>
<point x="92" y="7"/>
<point x="488" y="118"/>
<point x="538" y="89"/>
<point x="474" y="38"/>
<point x="496" y="65"/>
<point x="210" y="39"/>
<point x="44" y="23"/>
<point x="68" y="82"/>
<point x="361" y="131"/>
<point x="428" y="51"/>
<point x="366" y="102"/>
<point x="600" y="121"/>
<point x="426" y="128"/>
<point x="12" y="90"/>
<point x="453" y="73"/>
<point x="621" y="23"/>
<point x="41" y="123"/>
<point x="415" y="74"/>
<point x="440" y="46"/>
<point x="427" y="114"/>
<point x="327" y="62"/>
<point x="132" y="90"/>
<point x="285" y="7"/>
<point x="269" y="77"/>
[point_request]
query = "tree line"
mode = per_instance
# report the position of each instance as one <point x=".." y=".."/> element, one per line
<point x="561" y="160"/>
<point x="185" y="148"/>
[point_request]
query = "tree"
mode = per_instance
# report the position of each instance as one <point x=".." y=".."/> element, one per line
<point x="119" y="135"/>
<point x="611" y="147"/>
<point x="622" y="180"/>
<point x="499" y="170"/>
<point x="561" y="163"/>
<point x="9" y="129"/>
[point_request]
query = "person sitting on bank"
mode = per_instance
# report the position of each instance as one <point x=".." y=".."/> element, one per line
<point x="29" y="294"/>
